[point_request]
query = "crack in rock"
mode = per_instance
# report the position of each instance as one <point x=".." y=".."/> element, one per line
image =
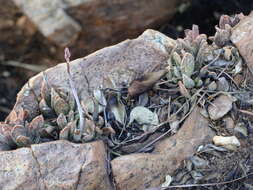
<point x="80" y="173"/>
<point x="39" y="168"/>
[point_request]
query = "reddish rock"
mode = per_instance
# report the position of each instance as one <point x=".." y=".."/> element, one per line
<point x="242" y="37"/>
<point x="55" y="165"/>
<point x="141" y="171"/>
<point x="19" y="170"/>
<point x="65" y="165"/>
<point x="193" y="132"/>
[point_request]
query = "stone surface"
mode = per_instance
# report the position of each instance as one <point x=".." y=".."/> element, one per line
<point x="19" y="170"/>
<point x="56" y="165"/>
<point x="193" y="132"/>
<point x="242" y="37"/>
<point x="220" y="107"/>
<point x="141" y="171"/>
<point x="65" y="165"/>
<point x="231" y="142"/>
<point x="122" y="63"/>
<point x="96" y="23"/>
<point x="229" y="123"/>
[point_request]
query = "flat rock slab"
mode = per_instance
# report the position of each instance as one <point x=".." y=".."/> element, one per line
<point x="19" y="170"/>
<point x="242" y="37"/>
<point x="141" y="171"/>
<point x="56" y="165"/>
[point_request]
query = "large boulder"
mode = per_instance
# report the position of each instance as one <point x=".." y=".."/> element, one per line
<point x="95" y="23"/>
<point x="122" y="63"/>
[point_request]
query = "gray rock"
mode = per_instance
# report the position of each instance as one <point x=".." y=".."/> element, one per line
<point x="141" y="171"/>
<point x="220" y="107"/>
<point x="19" y="170"/>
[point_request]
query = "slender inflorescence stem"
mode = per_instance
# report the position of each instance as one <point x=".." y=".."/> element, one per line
<point x="74" y="92"/>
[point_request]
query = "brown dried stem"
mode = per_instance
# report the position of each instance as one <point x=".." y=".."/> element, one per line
<point x="74" y="92"/>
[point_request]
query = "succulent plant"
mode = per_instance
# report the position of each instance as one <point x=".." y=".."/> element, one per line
<point x="114" y="114"/>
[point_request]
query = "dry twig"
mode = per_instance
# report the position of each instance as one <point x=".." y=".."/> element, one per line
<point x="74" y="92"/>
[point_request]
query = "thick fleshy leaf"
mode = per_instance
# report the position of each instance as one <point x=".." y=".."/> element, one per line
<point x="58" y="104"/>
<point x="143" y="116"/>
<point x="188" y="64"/>
<point x="36" y="124"/>
<point x="23" y="141"/>
<point x="188" y="82"/>
<point x="45" y="109"/>
<point x="61" y="121"/>
<point x="64" y="133"/>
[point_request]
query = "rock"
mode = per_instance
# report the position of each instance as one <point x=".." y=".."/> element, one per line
<point x="65" y="165"/>
<point x="55" y="165"/>
<point x="223" y="84"/>
<point x="96" y="23"/>
<point x="242" y="37"/>
<point x="220" y="107"/>
<point x="231" y="143"/>
<point x="121" y="63"/>
<point x="241" y="129"/>
<point x="19" y="170"/>
<point x="229" y="124"/>
<point x="141" y="171"/>
<point x="192" y="133"/>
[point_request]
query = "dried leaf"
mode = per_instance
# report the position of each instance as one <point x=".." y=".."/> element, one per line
<point x="145" y="83"/>
<point x="108" y="131"/>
